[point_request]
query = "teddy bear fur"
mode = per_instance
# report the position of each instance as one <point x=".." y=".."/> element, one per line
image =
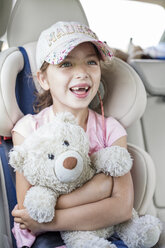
<point x="54" y="159"/>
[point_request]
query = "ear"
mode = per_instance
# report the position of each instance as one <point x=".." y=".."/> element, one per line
<point x="16" y="158"/>
<point x="43" y="80"/>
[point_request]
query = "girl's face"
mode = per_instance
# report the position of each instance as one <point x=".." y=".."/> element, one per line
<point x="74" y="82"/>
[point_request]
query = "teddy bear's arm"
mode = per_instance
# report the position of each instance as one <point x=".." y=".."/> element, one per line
<point x="114" y="160"/>
<point x="40" y="203"/>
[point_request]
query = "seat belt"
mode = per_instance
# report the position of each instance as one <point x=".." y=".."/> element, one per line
<point x="9" y="181"/>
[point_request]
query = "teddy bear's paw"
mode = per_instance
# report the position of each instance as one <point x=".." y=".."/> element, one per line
<point x="40" y="202"/>
<point x="150" y="229"/>
<point x="41" y="215"/>
<point x="151" y="238"/>
<point x="114" y="160"/>
<point x="140" y="232"/>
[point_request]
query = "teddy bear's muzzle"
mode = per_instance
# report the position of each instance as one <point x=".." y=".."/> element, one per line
<point x="68" y="166"/>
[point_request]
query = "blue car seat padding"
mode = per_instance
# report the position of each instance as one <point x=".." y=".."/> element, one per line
<point x="25" y="87"/>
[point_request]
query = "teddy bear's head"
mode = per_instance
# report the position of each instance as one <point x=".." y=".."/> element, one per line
<point x="55" y="153"/>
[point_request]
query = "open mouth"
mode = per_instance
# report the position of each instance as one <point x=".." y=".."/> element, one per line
<point x="80" y="90"/>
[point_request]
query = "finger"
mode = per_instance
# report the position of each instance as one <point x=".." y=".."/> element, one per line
<point x="18" y="212"/>
<point x="18" y="220"/>
<point x="15" y="208"/>
<point x="22" y="226"/>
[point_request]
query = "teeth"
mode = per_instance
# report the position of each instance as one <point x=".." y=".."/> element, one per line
<point x="75" y="88"/>
<point x="78" y="88"/>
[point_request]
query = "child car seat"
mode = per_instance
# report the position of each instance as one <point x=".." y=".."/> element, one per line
<point x="122" y="87"/>
<point x="127" y="80"/>
<point x="151" y="128"/>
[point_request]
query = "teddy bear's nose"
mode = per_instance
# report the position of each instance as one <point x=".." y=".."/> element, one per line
<point x="70" y="163"/>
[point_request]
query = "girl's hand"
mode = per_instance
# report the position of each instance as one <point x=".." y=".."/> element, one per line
<point x="26" y="222"/>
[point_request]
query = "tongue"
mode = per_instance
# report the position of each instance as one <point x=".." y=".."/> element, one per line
<point x="79" y="91"/>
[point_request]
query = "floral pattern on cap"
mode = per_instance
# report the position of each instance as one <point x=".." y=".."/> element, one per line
<point x="58" y="57"/>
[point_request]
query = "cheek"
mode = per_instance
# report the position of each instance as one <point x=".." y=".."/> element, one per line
<point x="97" y="78"/>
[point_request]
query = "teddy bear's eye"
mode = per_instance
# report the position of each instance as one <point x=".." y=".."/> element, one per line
<point x="51" y="156"/>
<point x="66" y="143"/>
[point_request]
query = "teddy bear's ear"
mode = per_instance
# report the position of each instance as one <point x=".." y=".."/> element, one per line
<point x="16" y="158"/>
<point x="66" y="117"/>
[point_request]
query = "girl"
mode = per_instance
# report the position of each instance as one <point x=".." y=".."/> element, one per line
<point x="68" y="61"/>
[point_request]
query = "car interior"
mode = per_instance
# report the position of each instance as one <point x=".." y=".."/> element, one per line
<point x="137" y="86"/>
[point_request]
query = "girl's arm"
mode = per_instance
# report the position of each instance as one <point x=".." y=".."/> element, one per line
<point x="22" y="185"/>
<point x="107" y="212"/>
<point x="98" y="188"/>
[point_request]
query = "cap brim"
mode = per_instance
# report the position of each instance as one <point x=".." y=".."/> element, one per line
<point x="58" y="54"/>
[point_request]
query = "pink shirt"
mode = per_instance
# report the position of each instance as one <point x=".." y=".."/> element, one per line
<point x="114" y="130"/>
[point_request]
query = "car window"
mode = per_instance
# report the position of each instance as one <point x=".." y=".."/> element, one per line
<point x="117" y="21"/>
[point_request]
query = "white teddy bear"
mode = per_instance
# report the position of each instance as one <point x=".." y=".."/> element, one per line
<point x="54" y="159"/>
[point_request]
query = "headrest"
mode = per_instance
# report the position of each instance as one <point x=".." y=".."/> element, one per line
<point x="11" y="63"/>
<point x="152" y="74"/>
<point x="26" y="22"/>
<point x="124" y="94"/>
<point x="5" y="10"/>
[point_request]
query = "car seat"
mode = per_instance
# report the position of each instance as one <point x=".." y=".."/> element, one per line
<point x="150" y="128"/>
<point x="121" y="86"/>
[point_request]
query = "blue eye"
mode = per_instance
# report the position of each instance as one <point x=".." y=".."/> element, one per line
<point x="66" y="64"/>
<point x="92" y="62"/>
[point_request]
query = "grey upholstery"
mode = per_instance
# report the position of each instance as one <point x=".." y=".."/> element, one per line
<point x="37" y="15"/>
<point x="152" y="74"/>
<point x="5" y="234"/>
<point x="144" y="179"/>
<point x="5" y="10"/>
<point x="151" y="127"/>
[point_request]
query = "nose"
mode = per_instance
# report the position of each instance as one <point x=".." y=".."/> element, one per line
<point x="81" y="75"/>
<point x="70" y="163"/>
<point x="81" y="72"/>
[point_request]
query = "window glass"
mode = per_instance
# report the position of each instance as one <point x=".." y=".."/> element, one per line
<point x="116" y="21"/>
